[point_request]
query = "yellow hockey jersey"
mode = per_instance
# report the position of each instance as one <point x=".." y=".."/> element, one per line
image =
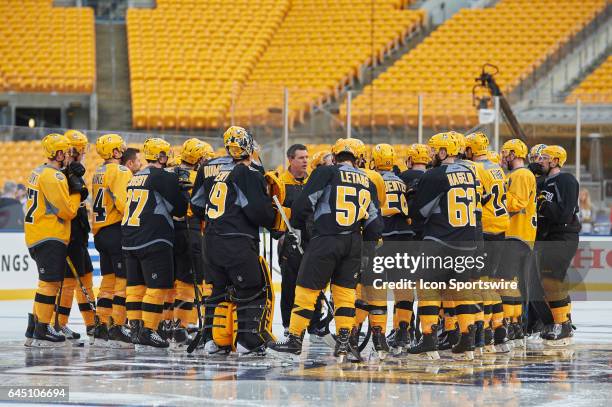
<point x="521" y="205"/>
<point x="49" y="207"/>
<point x="379" y="183"/>
<point x="494" y="213"/>
<point x="109" y="191"/>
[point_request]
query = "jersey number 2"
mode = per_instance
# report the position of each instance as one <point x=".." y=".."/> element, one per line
<point x="461" y="207"/>
<point x="32" y="205"/>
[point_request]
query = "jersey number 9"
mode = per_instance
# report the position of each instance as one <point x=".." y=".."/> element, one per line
<point x="217" y="200"/>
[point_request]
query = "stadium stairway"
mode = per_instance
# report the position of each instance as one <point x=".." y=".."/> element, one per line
<point x="590" y="48"/>
<point x="113" y="80"/>
<point x="323" y="122"/>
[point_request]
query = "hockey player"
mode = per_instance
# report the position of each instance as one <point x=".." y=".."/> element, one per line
<point x="109" y="197"/>
<point x="236" y="207"/>
<point x="417" y="159"/>
<point x="446" y="200"/>
<point x="187" y="244"/>
<point x="321" y="158"/>
<point x="396" y="229"/>
<point x="341" y="199"/>
<point x="49" y="210"/>
<point x="535" y="161"/>
<point x="363" y="305"/>
<point x="520" y="234"/>
<point x="131" y="159"/>
<point x="77" y="247"/>
<point x="294" y="179"/>
<point x="202" y="187"/>
<point x="494" y="224"/>
<point x="154" y="196"/>
<point x="538" y="312"/>
<point x="558" y="211"/>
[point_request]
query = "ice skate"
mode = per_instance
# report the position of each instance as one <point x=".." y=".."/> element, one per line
<point x="119" y="337"/>
<point x="72" y="338"/>
<point x="399" y="339"/>
<point x="464" y="349"/>
<point x="148" y="340"/>
<point x="211" y="348"/>
<point x="381" y="347"/>
<point x="290" y="347"/>
<point x="243" y="351"/>
<point x="500" y="340"/>
<point x="345" y="347"/>
<point x="45" y="336"/>
<point x="100" y="336"/>
<point x="519" y="336"/>
<point x="479" y="339"/>
<point x="557" y="335"/>
<point x="448" y="339"/>
<point x="135" y="327"/>
<point x="489" y="344"/>
<point x="89" y="330"/>
<point x="180" y="337"/>
<point x="427" y="347"/>
<point x="29" y="334"/>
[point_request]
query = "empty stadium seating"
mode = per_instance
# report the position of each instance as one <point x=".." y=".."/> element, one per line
<point x="515" y="35"/>
<point x="197" y="64"/>
<point x="320" y="47"/>
<point x="45" y="48"/>
<point x="595" y="88"/>
<point x="188" y="58"/>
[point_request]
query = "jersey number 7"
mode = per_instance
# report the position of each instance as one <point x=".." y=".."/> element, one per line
<point x="140" y="197"/>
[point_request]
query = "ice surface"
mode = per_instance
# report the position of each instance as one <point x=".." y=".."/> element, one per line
<point x="581" y="375"/>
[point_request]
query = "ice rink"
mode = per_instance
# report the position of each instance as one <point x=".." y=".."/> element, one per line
<point x="578" y="376"/>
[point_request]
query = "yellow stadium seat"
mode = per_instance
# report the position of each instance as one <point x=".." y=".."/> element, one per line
<point x="595" y="88"/>
<point x="516" y="35"/>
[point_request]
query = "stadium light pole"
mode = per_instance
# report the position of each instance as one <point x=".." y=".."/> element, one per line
<point x="578" y="137"/>
<point x="420" y="120"/>
<point x="349" y="102"/>
<point x="285" y="120"/>
<point x="496" y="124"/>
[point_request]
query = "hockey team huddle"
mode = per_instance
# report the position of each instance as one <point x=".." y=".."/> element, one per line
<point x="179" y="245"/>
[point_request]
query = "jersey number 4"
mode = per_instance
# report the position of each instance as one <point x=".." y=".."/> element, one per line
<point x="462" y="207"/>
<point x="98" y="207"/>
<point x="140" y="197"/>
<point x="347" y="210"/>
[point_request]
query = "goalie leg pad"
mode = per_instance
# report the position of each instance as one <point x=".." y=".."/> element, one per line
<point x="223" y="324"/>
<point x="255" y="311"/>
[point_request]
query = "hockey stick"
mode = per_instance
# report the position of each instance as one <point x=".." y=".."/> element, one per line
<point x="91" y="302"/>
<point x="57" y="305"/>
<point x="283" y="215"/>
<point x="197" y="294"/>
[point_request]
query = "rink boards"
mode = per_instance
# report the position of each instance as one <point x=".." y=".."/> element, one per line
<point x="591" y="269"/>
